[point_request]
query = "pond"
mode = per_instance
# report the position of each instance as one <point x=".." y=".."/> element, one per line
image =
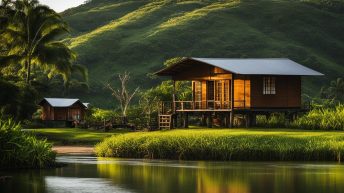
<point x="91" y="175"/>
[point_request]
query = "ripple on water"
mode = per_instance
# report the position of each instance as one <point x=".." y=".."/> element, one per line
<point x="81" y="185"/>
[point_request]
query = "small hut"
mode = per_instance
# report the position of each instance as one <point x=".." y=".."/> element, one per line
<point x="63" y="109"/>
<point x="225" y="87"/>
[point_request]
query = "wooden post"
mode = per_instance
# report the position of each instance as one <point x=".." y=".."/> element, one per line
<point x="248" y="119"/>
<point x="210" y="121"/>
<point x="232" y="103"/>
<point x="174" y="97"/>
<point x="253" y="119"/>
<point x="174" y="114"/>
<point x="204" y="120"/>
<point x="186" y="120"/>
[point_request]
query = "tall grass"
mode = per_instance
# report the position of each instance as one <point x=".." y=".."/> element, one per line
<point x="276" y="120"/>
<point x="322" y="118"/>
<point x="224" y="145"/>
<point x="21" y="150"/>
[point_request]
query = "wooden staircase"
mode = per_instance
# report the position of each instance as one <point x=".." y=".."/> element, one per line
<point x="165" y="121"/>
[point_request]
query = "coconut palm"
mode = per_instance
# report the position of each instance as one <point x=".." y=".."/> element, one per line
<point x="336" y="89"/>
<point x="32" y="31"/>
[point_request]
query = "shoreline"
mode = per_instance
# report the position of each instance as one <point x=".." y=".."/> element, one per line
<point x="74" y="150"/>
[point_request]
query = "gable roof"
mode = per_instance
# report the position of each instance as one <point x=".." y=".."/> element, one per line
<point x="61" y="102"/>
<point x="249" y="66"/>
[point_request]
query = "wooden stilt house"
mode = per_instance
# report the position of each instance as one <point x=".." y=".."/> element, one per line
<point x="225" y="87"/>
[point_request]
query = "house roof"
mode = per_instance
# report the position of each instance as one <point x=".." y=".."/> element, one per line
<point x="62" y="102"/>
<point x="249" y="66"/>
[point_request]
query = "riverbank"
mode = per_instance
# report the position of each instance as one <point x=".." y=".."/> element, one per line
<point x="227" y="144"/>
<point x="74" y="150"/>
<point x="73" y="136"/>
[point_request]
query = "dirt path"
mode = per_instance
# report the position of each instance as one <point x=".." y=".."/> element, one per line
<point x="74" y="150"/>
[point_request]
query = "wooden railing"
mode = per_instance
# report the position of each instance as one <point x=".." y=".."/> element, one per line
<point x="168" y="107"/>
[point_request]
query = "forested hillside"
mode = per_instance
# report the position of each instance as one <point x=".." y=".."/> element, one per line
<point x="112" y="36"/>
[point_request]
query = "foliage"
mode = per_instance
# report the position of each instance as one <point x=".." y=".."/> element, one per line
<point x="219" y="144"/>
<point x="31" y="30"/>
<point x="275" y="120"/>
<point x="171" y="61"/>
<point x="18" y="101"/>
<point x="21" y="150"/>
<point x="97" y="114"/>
<point x="322" y="118"/>
<point x="335" y="91"/>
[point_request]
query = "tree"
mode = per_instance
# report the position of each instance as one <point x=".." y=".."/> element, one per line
<point x="30" y="31"/>
<point x="335" y="91"/>
<point x="123" y="95"/>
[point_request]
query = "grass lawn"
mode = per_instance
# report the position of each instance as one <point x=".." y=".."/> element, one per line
<point x="227" y="144"/>
<point x="73" y="136"/>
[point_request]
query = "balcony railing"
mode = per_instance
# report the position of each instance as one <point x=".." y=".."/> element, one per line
<point x="206" y="105"/>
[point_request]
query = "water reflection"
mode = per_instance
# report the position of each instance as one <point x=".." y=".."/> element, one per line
<point x="90" y="174"/>
<point x="84" y="185"/>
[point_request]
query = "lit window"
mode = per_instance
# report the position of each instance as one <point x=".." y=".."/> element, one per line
<point x="269" y="85"/>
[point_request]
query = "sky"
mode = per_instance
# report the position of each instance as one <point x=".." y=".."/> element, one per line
<point x="61" y="5"/>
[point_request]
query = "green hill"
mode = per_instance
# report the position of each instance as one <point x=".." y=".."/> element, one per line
<point x="112" y="36"/>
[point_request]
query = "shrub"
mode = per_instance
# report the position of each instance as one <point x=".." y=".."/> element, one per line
<point x="22" y="150"/>
<point x="322" y="118"/>
<point x="275" y="120"/>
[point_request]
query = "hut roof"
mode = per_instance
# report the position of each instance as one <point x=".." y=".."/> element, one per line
<point x="62" y="102"/>
<point x="245" y="66"/>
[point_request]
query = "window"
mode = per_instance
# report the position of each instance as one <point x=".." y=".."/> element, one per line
<point x="198" y="91"/>
<point x="269" y="85"/>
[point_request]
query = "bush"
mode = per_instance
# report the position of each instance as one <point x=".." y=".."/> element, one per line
<point x="22" y="150"/>
<point x="322" y="118"/>
<point x="223" y="145"/>
<point x="276" y="120"/>
<point x="18" y="101"/>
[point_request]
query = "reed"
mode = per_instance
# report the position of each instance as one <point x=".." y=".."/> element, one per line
<point x="220" y="144"/>
<point x="19" y="149"/>
<point x="322" y="118"/>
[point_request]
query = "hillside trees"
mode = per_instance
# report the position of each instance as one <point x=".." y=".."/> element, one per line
<point x="334" y="91"/>
<point x="32" y="59"/>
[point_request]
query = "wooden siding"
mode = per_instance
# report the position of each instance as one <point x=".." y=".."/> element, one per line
<point x="50" y="113"/>
<point x="288" y="93"/>
<point x="248" y="92"/>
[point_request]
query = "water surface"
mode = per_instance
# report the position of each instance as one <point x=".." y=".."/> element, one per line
<point x="92" y="175"/>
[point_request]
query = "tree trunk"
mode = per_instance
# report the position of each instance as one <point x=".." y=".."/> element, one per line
<point x="28" y="71"/>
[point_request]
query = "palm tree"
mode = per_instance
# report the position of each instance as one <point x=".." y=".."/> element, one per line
<point x="336" y="89"/>
<point x="32" y="30"/>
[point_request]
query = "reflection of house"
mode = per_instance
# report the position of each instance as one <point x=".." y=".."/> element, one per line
<point x="61" y="109"/>
<point x="226" y="87"/>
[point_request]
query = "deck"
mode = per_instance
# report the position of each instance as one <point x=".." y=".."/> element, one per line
<point x="169" y="107"/>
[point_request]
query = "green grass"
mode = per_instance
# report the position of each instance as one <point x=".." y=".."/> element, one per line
<point x="226" y="144"/>
<point x="72" y="136"/>
<point x="138" y="36"/>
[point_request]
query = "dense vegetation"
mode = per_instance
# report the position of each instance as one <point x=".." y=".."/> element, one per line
<point x="322" y="118"/>
<point x="113" y="36"/>
<point x="218" y="144"/>
<point x="22" y="150"/>
<point x="33" y="62"/>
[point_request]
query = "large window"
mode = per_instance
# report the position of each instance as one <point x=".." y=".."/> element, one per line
<point x="269" y="85"/>
<point x="198" y="91"/>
